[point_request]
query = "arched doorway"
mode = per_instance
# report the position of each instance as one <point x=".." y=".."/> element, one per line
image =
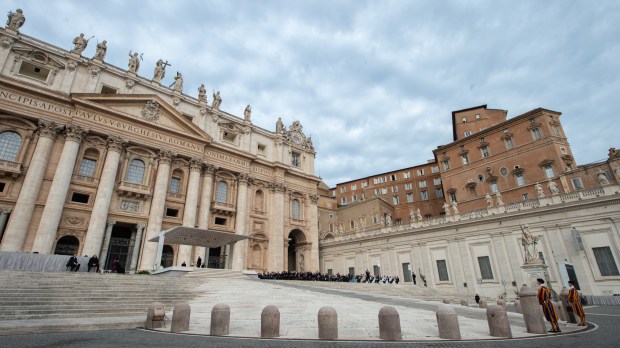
<point x="67" y="245"/>
<point x="296" y="261"/>
<point x="167" y="256"/>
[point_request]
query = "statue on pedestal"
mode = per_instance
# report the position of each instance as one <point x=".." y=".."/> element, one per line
<point x="601" y="177"/>
<point x="455" y="208"/>
<point x="79" y="44"/>
<point x="498" y="198"/>
<point x="134" y="62"/>
<point x="16" y="19"/>
<point x="388" y="219"/>
<point x="446" y="208"/>
<point x="418" y="215"/>
<point x="160" y="70"/>
<point x="177" y="85"/>
<point x="411" y="215"/>
<point x="247" y="113"/>
<point x="529" y="243"/>
<point x="202" y="93"/>
<point x="539" y="190"/>
<point x="279" y="126"/>
<point x="489" y="200"/>
<point x="553" y="187"/>
<point x="217" y="100"/>
<point x="102" y="49"/>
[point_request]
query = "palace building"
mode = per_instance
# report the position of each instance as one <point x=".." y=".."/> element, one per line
<point x="97" y="159"/>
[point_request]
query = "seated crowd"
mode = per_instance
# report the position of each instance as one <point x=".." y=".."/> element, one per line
<point x="326" y="277"/>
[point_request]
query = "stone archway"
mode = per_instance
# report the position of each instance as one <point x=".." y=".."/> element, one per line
<point x="67" y="245"/>
<point x="296" y="250"/>
<point x="167" y="256"/>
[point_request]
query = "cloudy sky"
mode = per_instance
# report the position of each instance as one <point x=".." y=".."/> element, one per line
<point x="373" y="82"/>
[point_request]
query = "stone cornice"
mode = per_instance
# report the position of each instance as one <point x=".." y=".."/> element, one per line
<point x="165" y="157"/>
<point x="48" y="129"/>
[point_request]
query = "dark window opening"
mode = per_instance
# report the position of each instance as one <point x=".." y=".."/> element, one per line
<point x="2" y="185"/>
<point x="220" y="221"/>
<point x="172" y="212"/>
<point x="79" y="198"/>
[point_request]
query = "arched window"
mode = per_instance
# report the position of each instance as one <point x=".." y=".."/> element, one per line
<point x="135" y="173"/>
<point x="259" y="201"/>
<point x="221" y="194"/>
<point x="295" y="213"/>
<point x="9" y="145"/>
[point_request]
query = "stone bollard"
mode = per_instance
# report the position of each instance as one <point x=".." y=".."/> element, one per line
<point x="270" y="322"/>
<point x="482" y="304"/>
<point x="328" y="323"/>
<point x="447" y="301"/>
<point x="518" y="306"/>
<point x="568" y="308"/>
<point x="560" y="310"/>
<point x="155" y="315"/>
<point x="531" y="310"/>
<point x="448" y="323"/>
<point x="389" y="324"/>
<point x="180" y="317"/>
<point x="464" y="303"/>
<point x="220" y="319"/>
<point x="499" y="326"/>
<point x="501" y="302"/>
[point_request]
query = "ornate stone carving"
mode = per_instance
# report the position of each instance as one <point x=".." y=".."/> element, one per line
<point x="529" y="243"/>
<point x="129" y="83"/>
<point x="116" y="144"/>
<point x="75" y="133"/>
<point x="176" y="101"/>
<point x="48" y="129"/>
<point x="130" y="206"/>
<point x="203" y="111"/>
<point x="94" y="71"/>
<point x="150" y="111"/>
<point x="195" y="164"/>
<point x="6" y="42"/>
<point x="277" y="187"/>
<point x="74" y="220"/>
<point x="314" y="198"/>
<point x="210" y="169"/>
<point x="245" y="178"/>
<point x="165" y="156"/>
<point x="72" y="65"/>
<point x="215" y="117"/>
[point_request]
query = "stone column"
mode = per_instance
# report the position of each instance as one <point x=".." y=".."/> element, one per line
<point x="241" y="247"/>
<point x="189" y="213"/>
<point x="4" y="215"/>
<point x="50" y="219"/>
<point x="99" y="215"/>
<point x="205" y="205"/>
<point x="17" y="229"/>
<point x="276" y="240"/>
<point x="136" y="247"/>
<point x="156" y="215"/>
<point x="106" y="244"/>
<point x="314" y="233"/>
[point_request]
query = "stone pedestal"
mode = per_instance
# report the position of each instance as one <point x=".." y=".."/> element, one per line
<point x="532" y="272"/>
<point x="499" y="326"/>
<point x="328" y="323"/>
<point x="567" y="307"/>
<point x="389" y="324"/>
<point x="155" y="316"/>
<point x="532" y="312"/>
<point x="180" y="317"/>
<point x="220" y="320"/>
<point x="448" y="323"/>
<point x="270" y="322"/>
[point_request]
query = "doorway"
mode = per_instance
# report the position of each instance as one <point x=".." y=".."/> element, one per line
<point x="296" y="239"/>
<point x="121" y="245"/>
<point x="67" y="245"/>
<point x="216" y="258"/>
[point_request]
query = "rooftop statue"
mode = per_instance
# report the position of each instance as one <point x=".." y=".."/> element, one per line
<point x="134" y="62"/>
<point x="102" y="49"/>
<point x="80" y="43"/>
<point x="16" y="19"/>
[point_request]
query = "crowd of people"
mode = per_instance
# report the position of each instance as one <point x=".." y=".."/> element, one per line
<point x="327" y="277"/>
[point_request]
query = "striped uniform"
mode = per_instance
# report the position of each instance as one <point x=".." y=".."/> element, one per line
<point x="573" y="298"/>
<point x="544" y="299"/>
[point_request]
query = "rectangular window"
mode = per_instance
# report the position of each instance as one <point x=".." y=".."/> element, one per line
<point x="464" y="158"/>
<point x="420" y="172"/>
<point x="79" y="198"/>
<point x="453" y="196"/>
<point x="485" y="152"/>
<point x="354" y="198"/>
<point x="409" y="197"/>
<point x="375" y="180"/>
<point x="437" y="181"/>
<point x="395" y="200"/>
<point x="536" y="135"/>
<point x="229" y="137"/>
<point x="467" y="133"/>
<point x="343" y="189"/>
<point x="548" y="168"/>
<point x="520" y="179"/>
<point x="364" y="184"/>
<point x="556" y="130"/>
<point x="175" y="185"/>
<point x="34" y="71"/>
<point x="393" y="177"/>
<point x="494" y="187"/>
<point x="435" y="169"/>
<point x="220" y="221"/>
<point x="605" y="260"/>
<point x="295" y="159"/>
<point x="442" y="271"/>
<point x="87" y="167"/>
<point x="485" y="267"/>
<point x="261" y="149"/>
<point x="477" y="117"/>
<point x="172" y="212"/>
<point x="439" y="193"/>
<point x="406" y="175"/>
<point x="394" y="188"/>
<point x="343" y="201"/>
<point x="577" y="183"/>
<point x="464" y="119"/>
<point x="509" y="144"/>
<point x="384" y="191"/>
<point x="353" y="187"/>
<point x="108" y="90"/>
<point x="422" y="184"/>
<point x="446" y="165"/>
<point x="377" y="192"/>
<point x="424" y="195"/>
<point x="525" y="196"/>
<point x="409" y="186"/>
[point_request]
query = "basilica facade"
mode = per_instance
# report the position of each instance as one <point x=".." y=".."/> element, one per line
<point x="97" y="160"/>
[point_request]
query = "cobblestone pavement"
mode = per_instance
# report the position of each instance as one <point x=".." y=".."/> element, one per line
<point x="603" y="334"/>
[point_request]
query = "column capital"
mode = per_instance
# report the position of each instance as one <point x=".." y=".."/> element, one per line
<point x="75" y="133"/>
<point x="314" y="198"/>
<point x="245" y="178"/>
<point x="116" y="144"/>
<point x="277" y="187"/>
<point x="195" y="164"/>
<point x="165" y="156"/>
<point x="210" y="169"/>
<point x="48" y="129"/>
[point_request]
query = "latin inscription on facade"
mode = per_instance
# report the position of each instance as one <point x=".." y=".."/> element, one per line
<point x="95" y="117"/>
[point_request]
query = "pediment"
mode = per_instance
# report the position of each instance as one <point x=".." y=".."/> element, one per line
<point x="150" y="109"/>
